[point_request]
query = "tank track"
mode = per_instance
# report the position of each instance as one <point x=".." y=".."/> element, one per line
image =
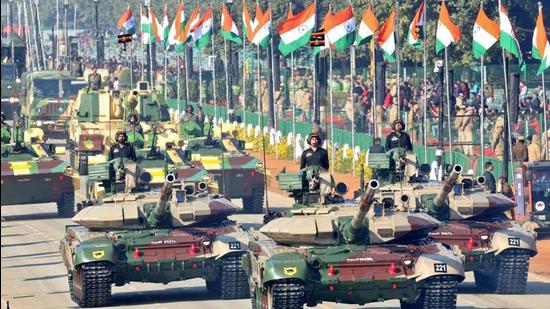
<point x="65" y="207"/>
<point x="255" y="203"/>
<point x="233" y="281"/>
<point x="508" y="275"/>
<point x="288" y="294"/>
<point x="437" y="293"/>
<point x="95" y="285"/>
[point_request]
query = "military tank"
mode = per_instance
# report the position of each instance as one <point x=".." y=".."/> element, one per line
<point x="173" y="235"/>
<point x="495" y="248"/>
<point x="36" y="168"/>
<point x="99" y="114"/>
<point x="239" y="175"/>
<point x="328" y="249"/>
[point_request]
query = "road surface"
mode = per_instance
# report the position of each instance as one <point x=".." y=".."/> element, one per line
<point x="33" y="275"/>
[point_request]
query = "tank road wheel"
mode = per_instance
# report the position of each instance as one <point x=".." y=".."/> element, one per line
<point x="438" y="292"/>
<point x="508" y="274"/>
<point x="254" y="204"/>
<point x="92" y="284"/>
<point x="83" y="163"/>
<point x="287" y="294"/>
<point x="65" y="207"/>
<point x="232" y="281"/>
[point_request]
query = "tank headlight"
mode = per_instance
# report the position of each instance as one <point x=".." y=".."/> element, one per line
<point x="484" y="237"/>
<point x="207" y="178"/>
<point x="206" y="243"/>
<point x="9" y="87"/>
<point x="539" y="206"/>
<point x="407" y="262"/>
<point x="60" y="109"/>
<point x="17" y="80"/>
<point x="14" y="100"/>
<point x="259" y="166"/>
<point x="39" y="123"/>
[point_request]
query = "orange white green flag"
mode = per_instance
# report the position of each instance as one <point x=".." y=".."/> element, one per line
<point x="296" y="30"/>
<point x="367" y="27"/>
<point x="229" y="28"/>
<point x="340" y="30"/>
<point x="508" y="39"/>
<point x="485" y="35"/>
<point x="447" y="32"/>
<point x="386" y="37"/>
<point x="541" y="47"/>
<point x="177" y="26"/>
<point x="414" y="37"/>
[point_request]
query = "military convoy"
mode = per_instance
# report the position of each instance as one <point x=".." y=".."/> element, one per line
<point x="238" y="174"/>
<point x="45" y="177"/>
<point x="328" y="249"/>
<point x="494" y="247"/>
<point x="177" y="235"/>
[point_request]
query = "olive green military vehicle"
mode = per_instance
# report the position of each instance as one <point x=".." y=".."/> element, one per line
<point x="327" y="249"/>
<point x="495" y="248"/>
<point x="99" y="114"/>
<point x="238" y="174"/>
<point x="46" y="97"/>
<point x="173" y="235"/>
<point x="33" y="173"/>
<point x="12" y="69"/>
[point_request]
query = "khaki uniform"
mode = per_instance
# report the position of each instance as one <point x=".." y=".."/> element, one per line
<point x="458" y="126"/>
<point x="467" y="129"/>
<point x="534" y="150"/>
<point x="497" y="143"/>
<point x="519" y="152"/>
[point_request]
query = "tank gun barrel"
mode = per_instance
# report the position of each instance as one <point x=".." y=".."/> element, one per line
<point x="448" y="185"/>
<point x="165" y="192"/>
<point x="364" y="205"/>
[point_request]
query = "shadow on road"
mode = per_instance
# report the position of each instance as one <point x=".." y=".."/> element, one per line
<point x="25" y="244"/>
<point x="33" y="265"/>
<point x="533" y="288"/>
<point x="31" y="255"/>
<point x="14" y="235"/>
<point x="46" y="277"/>
<point x="30" y="217"/>
<point x="186" y="294"/>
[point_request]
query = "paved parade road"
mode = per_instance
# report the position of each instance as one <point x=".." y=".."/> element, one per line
<point x="33" y="275"/>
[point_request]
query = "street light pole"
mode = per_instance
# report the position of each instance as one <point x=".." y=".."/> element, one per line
<point x="65" y="33"/>
<point x="10" y="29"/>
<point x="98" y="47"/>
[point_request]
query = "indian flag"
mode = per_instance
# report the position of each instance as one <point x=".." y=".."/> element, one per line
<point x="247" y="23"/>
<point x="367" y="27"/>
<point x="386" y="37"/>
<point x="341" y="29"/>
<point x="508" y="40"/>
<point x="447" y="32"/>
<point x="229" y="29"/>
<point x="145" y="27"/>
<point x="541" y="47"/>
<point x="296" y="31"/>
<point x="414" y="37"/>
<point x="127" y="22"/>
<point x="185" y="35"/>
<point x="262" y="32"/>
<point x="203" y="30"/>
<point x="485" y="35"/>
<point x="156" y="28"/>
<point x="317" y="49"/>
<point x="177" y="26"/>
<point x="165" y="28"/>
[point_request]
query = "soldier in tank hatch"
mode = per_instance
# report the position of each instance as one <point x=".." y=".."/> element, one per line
<point x="315" y="155"/>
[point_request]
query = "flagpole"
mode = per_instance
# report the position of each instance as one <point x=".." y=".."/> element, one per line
<point x="447" y="86"/>
<point x="35" y="36"/>
<point x="425" y="86"/>
<point x="352" y="73"/>
<point x="200" y="77"/>
<point x="482" y="116"/>
<point x="259" y="86"/>
<point x="131" y="65"/>
<point x="226" y="77"/>
<point x="373" y="75"/>
<point x="293" y="99"/>
<point x="165" y="80"/>
<point x="178" y="78"/>
<point x="396" y="27"/>
<point x="243" y="92"/>
<point x="56" y="37"/>
<point x="332" y="156"/>
<point x="186" y="74"/>
<point x="544" y="112"/>
<point x="214" y="68"/>
<point x="272" y="107"/>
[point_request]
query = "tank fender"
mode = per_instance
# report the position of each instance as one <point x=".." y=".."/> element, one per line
<point x="502" y="240"/>
<point x="94" y="253"/>
<point x="227" y="244"/>
<point x="430" y="264"/>
<point x="285" y="266"/>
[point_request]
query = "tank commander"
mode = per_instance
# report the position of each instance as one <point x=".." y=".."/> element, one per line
<point x="134" y="125"/>
<point x="122" y="149"/>
<point x="189" y="128"/>
<point x="315" y="155"/>
<point x="6" y="131"/>
<point x="94" y="80"/>
<point x="398" y="138"/>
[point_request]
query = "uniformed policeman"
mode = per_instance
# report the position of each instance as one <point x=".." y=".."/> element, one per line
<point x="315" y="155"/>
<point x="398" y="138"/>
<point x="122" y="149"/>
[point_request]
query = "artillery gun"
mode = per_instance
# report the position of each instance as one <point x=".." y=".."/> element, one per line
<point x="328" y="249"/>
<point x="176" y="234"/>
<point x="495" y="248"/>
